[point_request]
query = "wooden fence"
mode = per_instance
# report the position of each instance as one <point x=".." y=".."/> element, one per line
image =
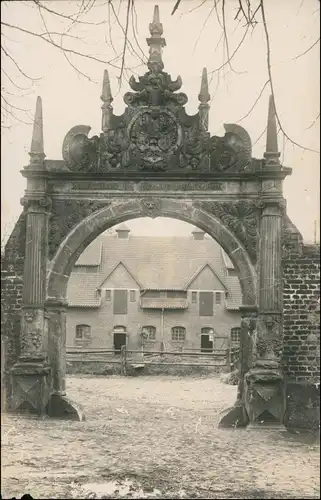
<point x="138" y="358"/>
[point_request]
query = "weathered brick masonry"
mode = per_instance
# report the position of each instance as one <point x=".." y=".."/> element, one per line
<point x="12" y="264"/>
<point x="301" y="336"/>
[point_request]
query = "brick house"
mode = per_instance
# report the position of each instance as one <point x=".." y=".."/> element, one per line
<point x="164" y="292"/>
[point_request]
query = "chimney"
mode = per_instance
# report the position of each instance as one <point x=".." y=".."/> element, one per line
<point x="123" y="232"/>
<point x="198" y="234"/>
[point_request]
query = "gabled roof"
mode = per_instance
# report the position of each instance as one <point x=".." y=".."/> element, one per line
<point x="91" y="256"/>
<point x="199" y="272"/>
<point x="114" y="269"/>
<point x="155" y="263"/>
<point x="82" y="290"/>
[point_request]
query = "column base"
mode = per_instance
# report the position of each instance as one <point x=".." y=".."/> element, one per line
<point x="61" y="407"/>
<point x="268" y="426"/>
<point x="31" y="385"/>
<point x="234" y="417"/>
<point x="264" y="396"/>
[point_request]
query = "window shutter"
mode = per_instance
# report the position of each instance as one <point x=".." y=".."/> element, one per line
<point x="120" y="301"/>
<point x="206" y="303"/>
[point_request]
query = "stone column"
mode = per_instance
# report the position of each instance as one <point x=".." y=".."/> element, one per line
<point x="264" y="384"/>
<point x="56" y="318"/>
<point x="247" y="339"/>
<point x="31" y="375"/>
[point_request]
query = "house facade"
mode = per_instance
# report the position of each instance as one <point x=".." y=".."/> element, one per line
<point x="160" y="292"/>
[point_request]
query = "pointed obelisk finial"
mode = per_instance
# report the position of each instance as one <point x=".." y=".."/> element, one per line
<point x="37" y="154"/>
<point x="272" y="153"/>
<point x="107" y="99"/>
<point x="204" y="97"/>
<point x="155" y="43"/>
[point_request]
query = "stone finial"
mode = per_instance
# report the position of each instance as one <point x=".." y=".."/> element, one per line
<point x="204" y="97"/>
<point x="271" y="150"/>
<point x="106" y="95"/>
<point x="155" y="43"/>
<point x="37" y="154"/>
<point x="107" y="99"/>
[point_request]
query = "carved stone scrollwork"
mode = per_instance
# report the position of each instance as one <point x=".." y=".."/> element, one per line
<point x="269" y="342"/>
<point x="155" y="88"/>
<point x="240" y="217"/>
<point x="66" y="214"/>
<point x="279" y="204"/>
<point x="36" y="204"/>
<point x="154" y="137"/>
<point x="231" y="152"/>
<point x="79" y="152"/>
<point x="151" y="207"/>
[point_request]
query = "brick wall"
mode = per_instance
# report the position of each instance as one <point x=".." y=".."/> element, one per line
<point x="102" y="322"/>
<point x="12" y="264"/>
<point x="301" y="288"/>
<point x="11" y="303"/>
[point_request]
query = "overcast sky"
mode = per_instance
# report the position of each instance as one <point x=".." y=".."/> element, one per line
<point x="70" y="99"/>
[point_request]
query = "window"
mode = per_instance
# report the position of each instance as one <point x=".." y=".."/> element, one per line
<point x="218" y="298"/>
<point x="194" y="297"/>
<point x="132" y="295"/>
<point x="235" y="334"/>
<point x="178" y="333"/>
<point x="149" y="332"/>
<point x="108" y="295"/>
<point x="120" y="301"/>
<point x="162" y="294"/>
<point x="206" y="303"/>
<point x="83" y="332"/>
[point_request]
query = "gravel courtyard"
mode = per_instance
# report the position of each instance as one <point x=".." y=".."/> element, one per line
<point x="159" y="433"/>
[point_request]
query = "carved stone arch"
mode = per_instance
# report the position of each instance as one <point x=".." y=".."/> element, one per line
<point x="119" y="211"/>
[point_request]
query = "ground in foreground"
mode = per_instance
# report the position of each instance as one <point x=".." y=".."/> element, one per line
<point x="160" y="435"/>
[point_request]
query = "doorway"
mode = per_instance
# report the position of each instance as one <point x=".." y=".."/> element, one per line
<point x="120" y="339"/>
<point x="207" y="341"/>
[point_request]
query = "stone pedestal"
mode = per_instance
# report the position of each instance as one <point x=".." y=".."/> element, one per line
<point x="59" y="405"/>
<point x="264" y="396"/>
<point x="31" y="385"/>
<point x="236" y="416"/>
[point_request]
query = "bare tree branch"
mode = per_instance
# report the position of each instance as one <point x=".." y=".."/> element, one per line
<point x="314" y="122"/>
<point x="255" y="102"/>
<point x="42" y="37"/>
<point x="267" y="38"/>
<point x="307" y="50"/>
<point x="17" y="65"/>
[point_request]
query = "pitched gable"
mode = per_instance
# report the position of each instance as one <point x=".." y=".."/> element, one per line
<point x="206" y="279"/>
<point x="120" y="277"/>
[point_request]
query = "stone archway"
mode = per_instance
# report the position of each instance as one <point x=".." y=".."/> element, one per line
<point x="153" y="160"/>
<point x="88" y="229"/>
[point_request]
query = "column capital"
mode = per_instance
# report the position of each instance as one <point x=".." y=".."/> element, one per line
<point x="56" y="303"/>
<point x="271" y="206"/>
<point x="40" y="203"/>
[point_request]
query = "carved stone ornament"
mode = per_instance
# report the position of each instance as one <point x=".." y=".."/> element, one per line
<point x="155" y="134"/>
<point x="269" y="343"/>
<point x="240" y="217"/>
<point x="264" y="396"/>
<point x="79" y="152"/>
<point x="66" y="214"/>
<point x="150" y="206"/>
<point x="38" y="204"/>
